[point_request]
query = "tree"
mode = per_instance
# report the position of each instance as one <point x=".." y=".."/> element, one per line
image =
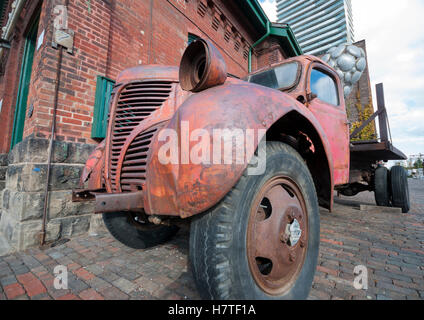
<point x="418" y="164"/>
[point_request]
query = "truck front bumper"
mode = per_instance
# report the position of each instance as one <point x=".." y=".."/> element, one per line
<point x="110" y="202"/>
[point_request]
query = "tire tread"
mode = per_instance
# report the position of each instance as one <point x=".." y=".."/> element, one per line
<point x="213" y="275"/>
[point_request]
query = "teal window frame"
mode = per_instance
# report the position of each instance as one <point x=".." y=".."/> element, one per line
<point x="192" y="37"/>
<point x="104" y="90"/>
<point x="24" y="83"/>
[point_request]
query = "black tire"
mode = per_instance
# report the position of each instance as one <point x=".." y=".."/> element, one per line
<point x="125" y="229"/>
<point x="400" y="188"/>
<point x="382" y="187"/>
<point x="218" y="241"/>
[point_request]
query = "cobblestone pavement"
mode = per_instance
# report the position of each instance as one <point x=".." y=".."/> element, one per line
<point x="390" y="245"/>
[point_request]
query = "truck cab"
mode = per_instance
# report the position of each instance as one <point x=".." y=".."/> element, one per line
<point x="318" y="88"/>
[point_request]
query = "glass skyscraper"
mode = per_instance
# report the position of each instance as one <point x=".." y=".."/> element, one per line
<point x="318" y="24"/>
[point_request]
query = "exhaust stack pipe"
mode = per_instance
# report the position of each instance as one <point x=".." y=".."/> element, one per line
<point x="202" y="67"/>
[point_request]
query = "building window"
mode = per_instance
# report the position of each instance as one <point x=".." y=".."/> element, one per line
<point x="191" y="38"/>
<point x="104" y="90"/>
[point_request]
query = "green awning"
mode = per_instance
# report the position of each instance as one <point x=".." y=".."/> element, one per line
<point x="254" y="12"/>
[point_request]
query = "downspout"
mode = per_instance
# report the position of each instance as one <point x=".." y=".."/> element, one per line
<point x="50" y="150"/>
<point x="51" y="143"/>
<point x="268" y="32"/>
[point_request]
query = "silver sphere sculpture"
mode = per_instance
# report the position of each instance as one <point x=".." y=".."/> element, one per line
<point x="349" y="61"/>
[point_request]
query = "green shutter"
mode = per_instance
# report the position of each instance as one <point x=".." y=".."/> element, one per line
<point x="101" y="107"/>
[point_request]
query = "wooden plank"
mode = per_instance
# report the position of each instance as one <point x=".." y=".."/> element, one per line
<point x="376" y="209"/>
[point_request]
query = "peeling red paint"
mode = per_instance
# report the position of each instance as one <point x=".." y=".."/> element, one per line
<point x="188" y="189"/>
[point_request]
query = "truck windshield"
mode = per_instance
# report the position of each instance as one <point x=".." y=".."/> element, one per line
<point x="281" y="77"/>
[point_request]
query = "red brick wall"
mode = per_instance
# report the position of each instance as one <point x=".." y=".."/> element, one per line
<point x="9" y="79"/>
<point x="362" y="89"/>
<point x="269" y="52"/>
<point x="111" y="36"/>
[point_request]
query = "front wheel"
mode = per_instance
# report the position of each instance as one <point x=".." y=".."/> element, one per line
<point x="135" y="233"/>
<point x="262" y="241"/>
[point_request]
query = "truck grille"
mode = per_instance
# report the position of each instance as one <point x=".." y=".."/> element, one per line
<point x="133" y="173"/>
<point x="136" y="102"/>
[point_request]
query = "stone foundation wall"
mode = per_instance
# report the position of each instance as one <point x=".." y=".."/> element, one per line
<point x="3" y="169"/>
<point x="23" y="196"/>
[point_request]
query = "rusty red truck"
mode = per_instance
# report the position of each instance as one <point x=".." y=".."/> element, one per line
<point x="252" y="236"/>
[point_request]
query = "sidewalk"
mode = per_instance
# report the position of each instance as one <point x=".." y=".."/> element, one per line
<point x="390" y="245"/>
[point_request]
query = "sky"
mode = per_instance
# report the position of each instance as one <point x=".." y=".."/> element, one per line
<point x="394" y="32"/>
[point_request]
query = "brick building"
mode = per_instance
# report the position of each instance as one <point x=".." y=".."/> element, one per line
<point x="101" y="38"/>
<point x="359" y="104"/>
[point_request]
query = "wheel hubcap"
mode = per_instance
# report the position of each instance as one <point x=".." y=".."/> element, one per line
<point x="277" y="235"/>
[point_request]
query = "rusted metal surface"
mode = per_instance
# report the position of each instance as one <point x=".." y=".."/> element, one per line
<point x="333" y="119"/>
<point x="93" y="168"/>
<point x="186" y="190"/>
<point x="84" y="195"/>
<point x="116" y="202"/>
<point x="149" y="72"/>
<point x="145" y="97"/>
<point x="202" y="67"/>
<point x="335" y="124"/>
<point x="149" y="99"/>
<point x="277" y="235"/>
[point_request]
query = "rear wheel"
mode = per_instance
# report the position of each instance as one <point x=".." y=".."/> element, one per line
<point x="382" y="187"/>
<point x="400" y="188"/>
<point x="262" y="240"/>
<point x="128" y="229"/>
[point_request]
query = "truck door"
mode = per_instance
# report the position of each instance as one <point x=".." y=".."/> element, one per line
<point x="327" y="104"/>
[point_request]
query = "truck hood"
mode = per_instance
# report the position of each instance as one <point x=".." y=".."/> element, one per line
<point x="142" y="72"/>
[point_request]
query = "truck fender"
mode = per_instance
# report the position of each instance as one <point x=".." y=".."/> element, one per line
<point x="92" y="171"/>
<point x="187" y="189"/>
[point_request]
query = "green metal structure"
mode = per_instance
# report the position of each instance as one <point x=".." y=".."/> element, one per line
<point x="101" y="107"/>
<point x="24" y="82"/>
<point x="260" y="21"/>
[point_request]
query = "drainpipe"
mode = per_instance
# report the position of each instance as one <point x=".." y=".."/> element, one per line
<point x="51" y="143"/>
<point x="50" y="150"/>
<point x="268" y="32"/>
